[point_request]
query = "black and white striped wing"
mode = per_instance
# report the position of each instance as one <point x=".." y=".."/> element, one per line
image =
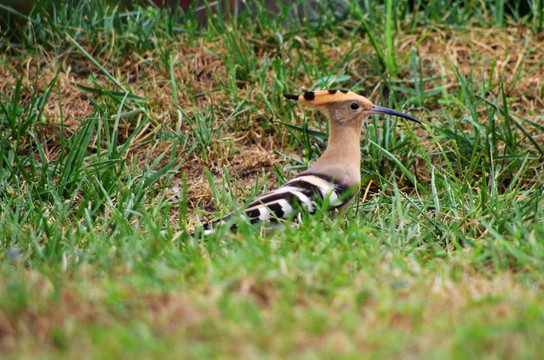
<point x="303" y="193"/>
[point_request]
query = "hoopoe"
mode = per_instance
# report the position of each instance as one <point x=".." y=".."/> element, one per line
<point x="335" y="177"/>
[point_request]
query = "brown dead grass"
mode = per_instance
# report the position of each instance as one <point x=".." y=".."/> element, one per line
<point x="519" y="66"/>
<point x="514" y="50"/>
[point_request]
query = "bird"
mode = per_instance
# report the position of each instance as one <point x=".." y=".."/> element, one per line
<point x="333" y="179"/>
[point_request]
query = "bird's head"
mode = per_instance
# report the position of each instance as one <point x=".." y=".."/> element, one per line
<point x="345" y="107"/>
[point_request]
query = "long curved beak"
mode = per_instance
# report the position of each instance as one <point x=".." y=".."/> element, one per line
<point x="383" y="110"/>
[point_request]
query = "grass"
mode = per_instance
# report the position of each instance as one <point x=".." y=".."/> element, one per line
<point x="122" y="129"/>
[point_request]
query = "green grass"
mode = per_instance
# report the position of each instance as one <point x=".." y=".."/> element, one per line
<point x="120" y="130"/>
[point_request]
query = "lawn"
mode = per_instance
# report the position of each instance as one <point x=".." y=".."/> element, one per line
<point x="123" y="129"/>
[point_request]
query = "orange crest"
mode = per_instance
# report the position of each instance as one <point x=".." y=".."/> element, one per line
<point x="326" y="97"/>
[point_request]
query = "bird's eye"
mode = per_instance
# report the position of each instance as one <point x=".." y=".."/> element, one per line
<point x="354" y="106"/>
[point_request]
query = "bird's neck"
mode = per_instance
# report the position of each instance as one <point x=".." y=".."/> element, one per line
<point x="342" y="158"/>
<point x="344" y="144"/>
